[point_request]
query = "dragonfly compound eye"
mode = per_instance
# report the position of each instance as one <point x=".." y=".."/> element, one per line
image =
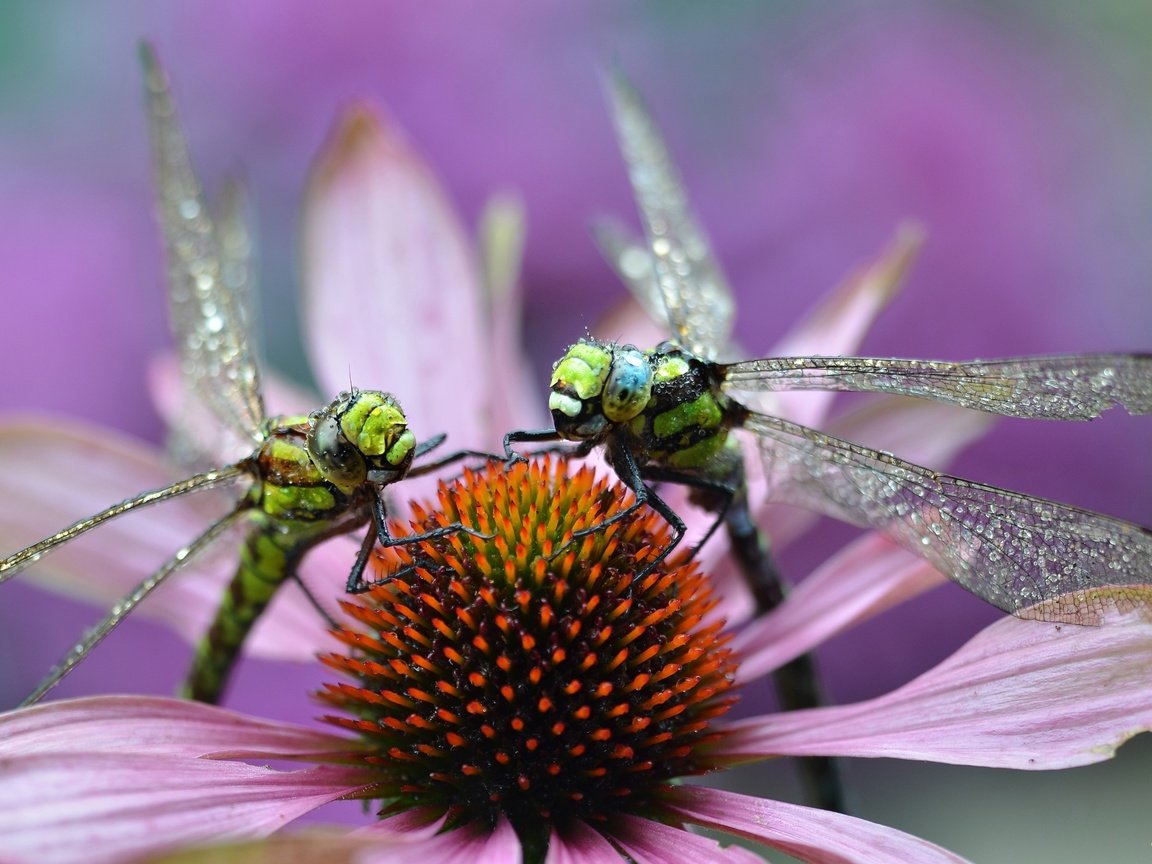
<point x="375" y="423"/>
<point x="629" y="385"/>
<point x="332" y="452"/>
<point x="578" y="382"/>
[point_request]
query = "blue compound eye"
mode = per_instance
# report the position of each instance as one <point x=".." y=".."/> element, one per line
<point x="629" y="386"/>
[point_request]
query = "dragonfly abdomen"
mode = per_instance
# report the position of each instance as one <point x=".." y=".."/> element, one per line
<point x="267" y="558"/>
<point x="291" y="508"/>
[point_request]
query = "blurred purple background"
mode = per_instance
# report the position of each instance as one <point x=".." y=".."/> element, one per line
<point x="1018" y="135"/>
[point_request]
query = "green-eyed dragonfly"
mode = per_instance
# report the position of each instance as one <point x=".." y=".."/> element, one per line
<point x="310" y="477"/>
<point x="669" y="414"/>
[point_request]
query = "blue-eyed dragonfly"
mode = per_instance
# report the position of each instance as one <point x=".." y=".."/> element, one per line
<point x="668" y="414"/>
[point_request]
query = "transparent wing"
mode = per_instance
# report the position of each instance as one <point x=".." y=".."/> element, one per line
<point x="1061" y="387"/>
<point x="1028" y="556"/>
<point x="204" y="275"/>
<point x="120" y="611"/>
<point x="237" y="261"/>
<point x="16" y="562"/>
<point x="632" y="262"/>
<point x="697" y="301"/>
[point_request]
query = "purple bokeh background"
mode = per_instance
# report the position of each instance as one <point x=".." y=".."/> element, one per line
<point x="804" y="133"/>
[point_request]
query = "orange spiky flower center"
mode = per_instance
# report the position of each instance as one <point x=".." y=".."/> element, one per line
<point x="533" y="675"/>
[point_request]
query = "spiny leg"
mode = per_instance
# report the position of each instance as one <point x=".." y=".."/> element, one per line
<point x="378" y="534"/>
<point x="628" y="470"/>
<point x="435" y="441"/>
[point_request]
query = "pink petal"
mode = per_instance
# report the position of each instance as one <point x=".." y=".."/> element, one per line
<point x="816" y="836"/>
<point x="1021" y="694"/>
<point x="392" y="290"/>
<point x="840" y="322"/>
<point x="646" y="841"/>
<point x="417" y="823"/>
<point x="864" y="578"/>
<point x="580" y="844"/>
<point x="100" y="807"/>
<point x="465" y="845"/>
<point x="157" y="726"/>
<point x="53" y="475"/>
<point x="517" y="398"/>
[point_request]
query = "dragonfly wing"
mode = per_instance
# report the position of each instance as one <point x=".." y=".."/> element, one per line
<point x="207" y="270"/>
<point x="16" y="562"/>
<point x="697" y="301"/>
<point x="632" y="262"/>
<point x="1060" y="387"/>
<point x="120" y="611"/>
<point x="1028" y="556"/>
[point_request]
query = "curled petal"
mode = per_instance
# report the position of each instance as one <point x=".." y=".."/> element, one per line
<point x="816" y="836"/>
<point x="1021" y="694"/>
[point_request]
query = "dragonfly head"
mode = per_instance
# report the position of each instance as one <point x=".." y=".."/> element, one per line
<point x="596" y="385"/>
<point x="361" y="431"/>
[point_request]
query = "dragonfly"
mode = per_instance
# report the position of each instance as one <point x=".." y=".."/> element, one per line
<point x="671" y="413"/>
<point x="310" y="477"/>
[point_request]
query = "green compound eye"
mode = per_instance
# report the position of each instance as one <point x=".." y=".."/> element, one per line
<point x="374" y="422"/>
<point x="629" y="385"/>
<point x="582" y="371"/>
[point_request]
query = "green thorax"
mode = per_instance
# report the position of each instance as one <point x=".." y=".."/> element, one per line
<point x="687" y="421"/>
<point x="313" y="477"/>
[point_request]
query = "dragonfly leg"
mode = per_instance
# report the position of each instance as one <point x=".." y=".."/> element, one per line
<point x="458" y="456"/>
<point x="628" y="470"/>
<point x="524" y="436"/>
<point x="797" y="682"/>
<point x="426" y="446"/>
<point x="324" y="613"/>
<point x="354" y="584"/>
<point x="378" y="534"/>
